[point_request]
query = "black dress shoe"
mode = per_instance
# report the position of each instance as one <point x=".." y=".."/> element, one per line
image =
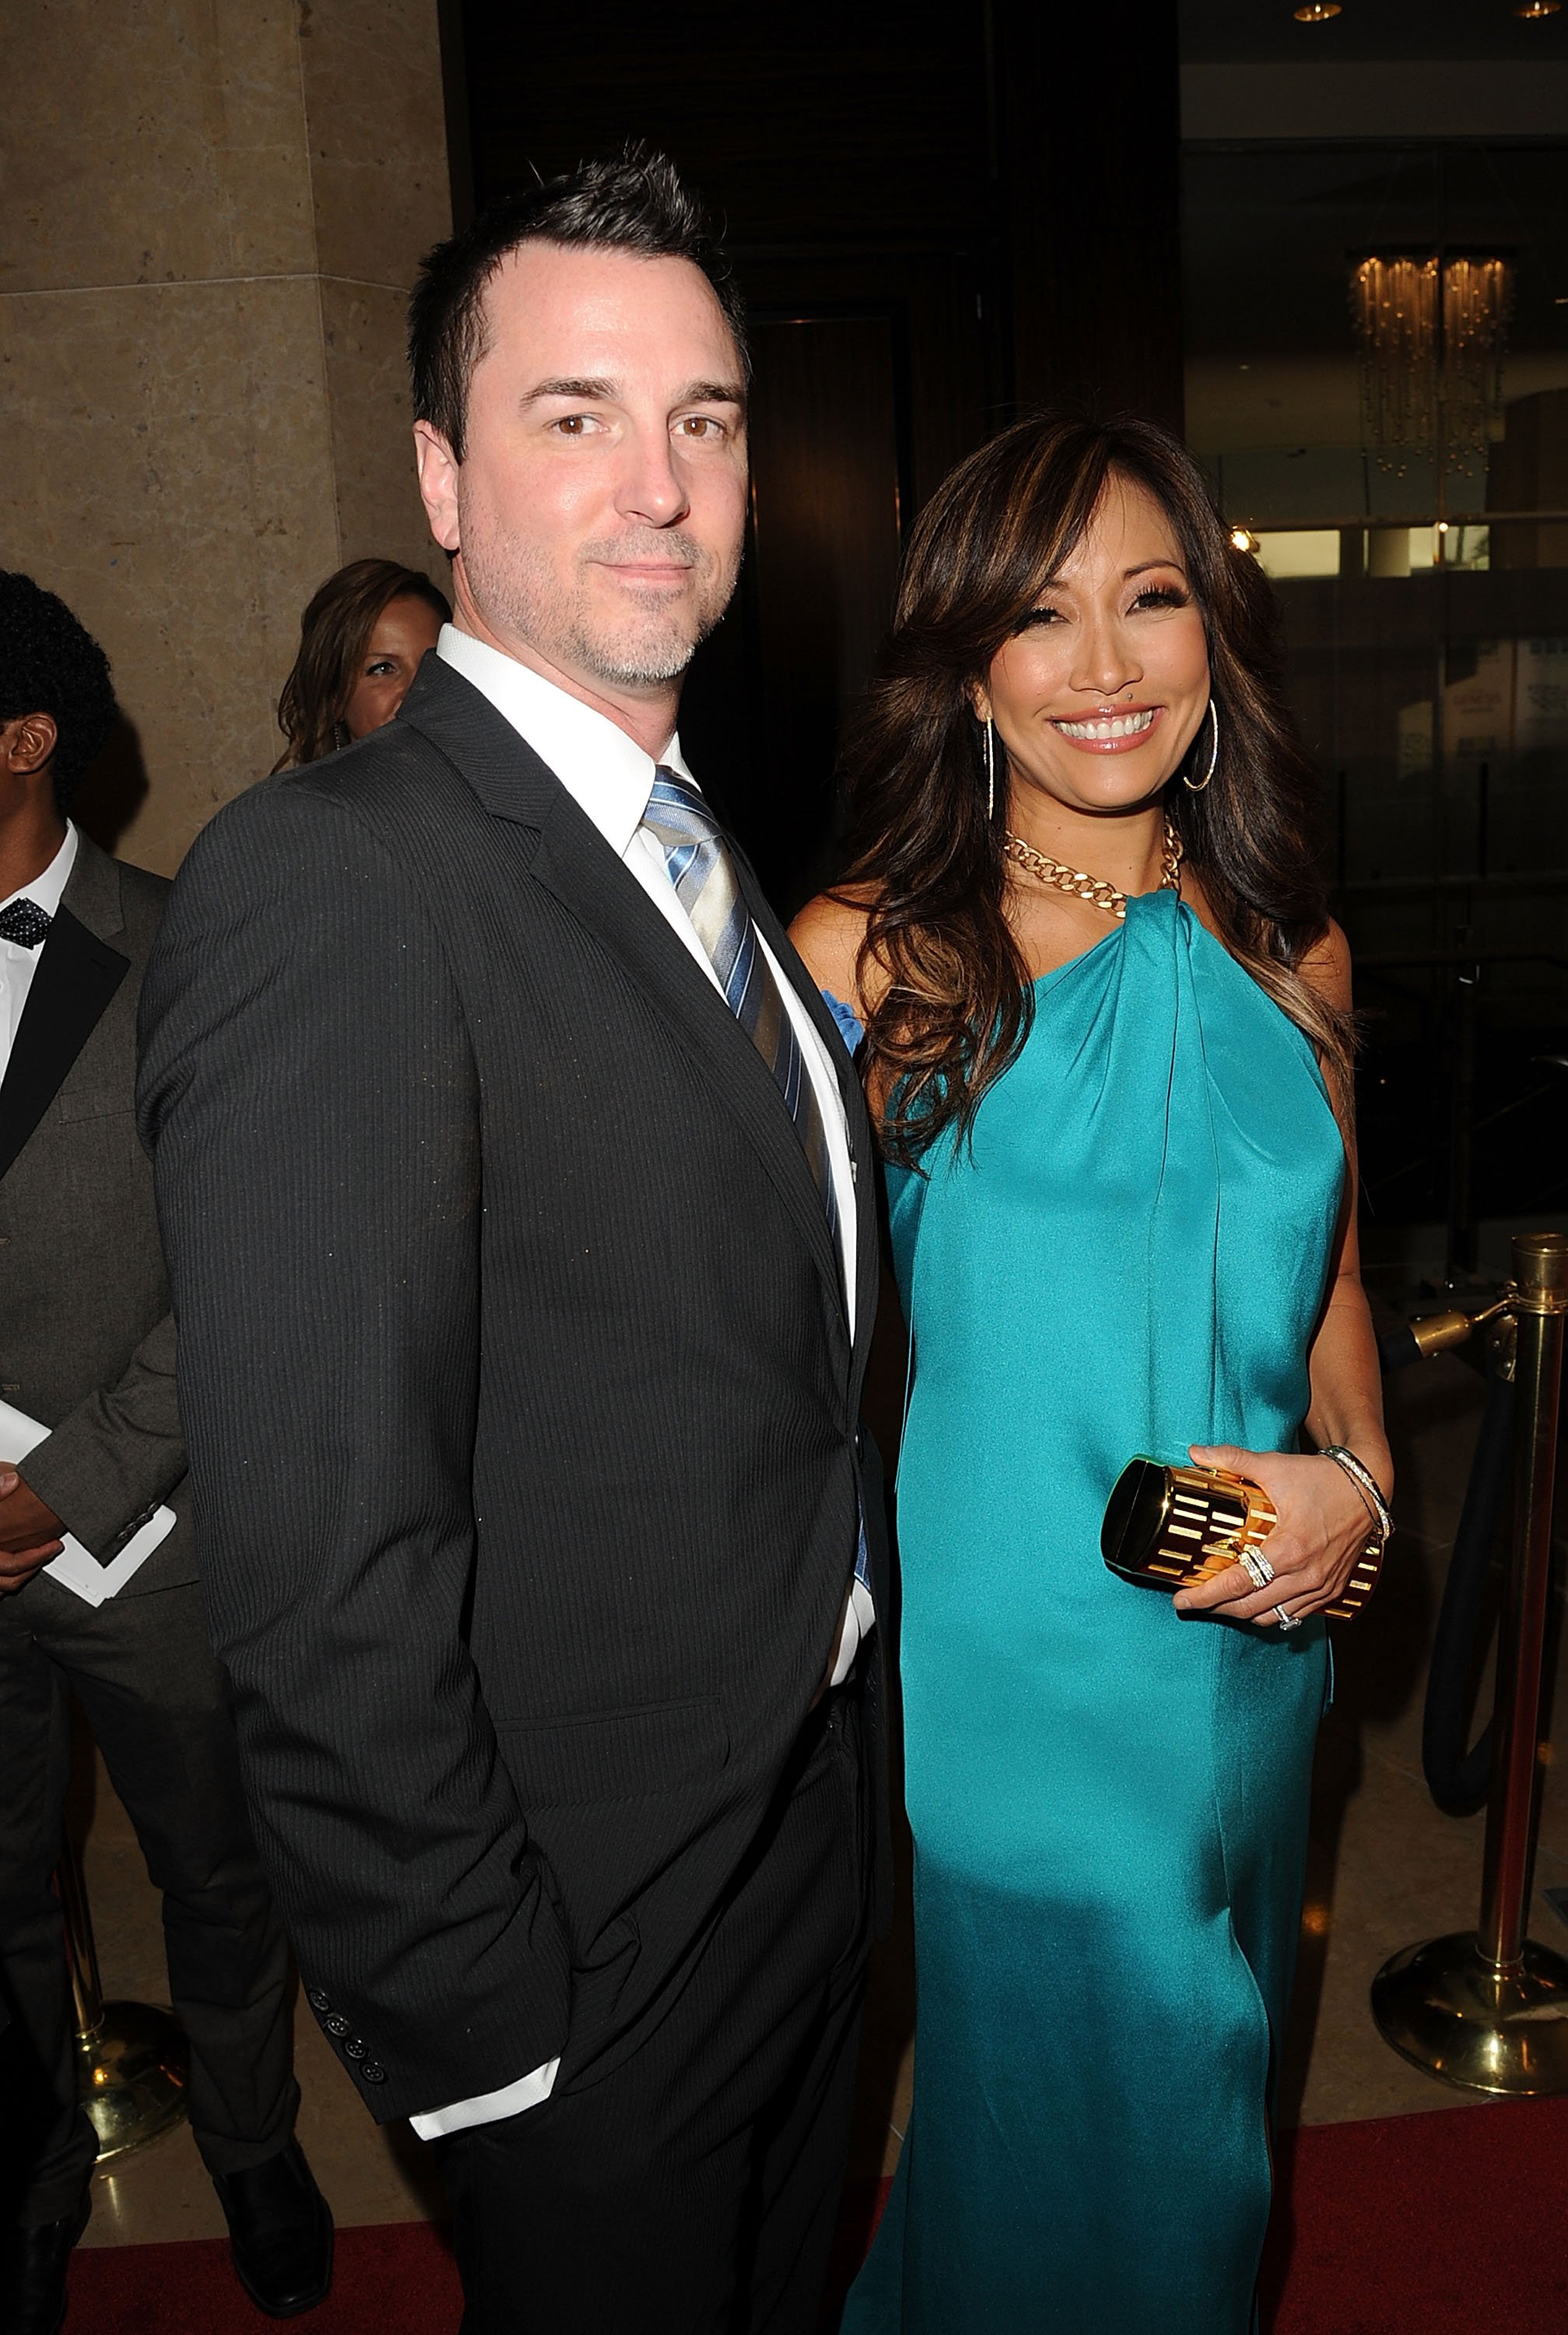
<point x="32" y="2265"/>
<point x="280" y="2233"/>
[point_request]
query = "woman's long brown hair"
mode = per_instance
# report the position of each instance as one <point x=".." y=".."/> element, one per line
<point x="333" y="635"/>
<point x="954" y="1004"/>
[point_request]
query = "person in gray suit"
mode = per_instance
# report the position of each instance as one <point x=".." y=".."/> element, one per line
<point x="87" y="1349"/>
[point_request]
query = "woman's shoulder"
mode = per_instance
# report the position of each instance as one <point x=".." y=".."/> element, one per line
<point x="830" y="931"/>
<point x="1326" y="966"/>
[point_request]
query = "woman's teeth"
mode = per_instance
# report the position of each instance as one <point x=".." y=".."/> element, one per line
<point x="1117" y="725"/>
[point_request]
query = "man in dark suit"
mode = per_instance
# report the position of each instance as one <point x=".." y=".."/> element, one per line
<point x="514" y="1186"/>
<point x="87" y="1350"/>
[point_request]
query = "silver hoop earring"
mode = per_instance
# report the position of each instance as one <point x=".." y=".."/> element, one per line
<point x="990" y="772"/>
<point x="1198" y="785"/>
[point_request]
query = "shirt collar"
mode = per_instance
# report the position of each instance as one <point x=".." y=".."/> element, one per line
<point x="607" y="773"/>
<point x="46" y="890"/>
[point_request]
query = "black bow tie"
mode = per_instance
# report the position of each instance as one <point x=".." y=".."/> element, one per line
<point x="24" y="922"/>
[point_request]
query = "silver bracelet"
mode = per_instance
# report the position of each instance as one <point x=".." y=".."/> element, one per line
<point x="1365" y="1482"/>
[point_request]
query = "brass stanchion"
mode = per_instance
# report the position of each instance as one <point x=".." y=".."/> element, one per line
<point x="1488" y="2008"/>
<point x="132" y="2062"/>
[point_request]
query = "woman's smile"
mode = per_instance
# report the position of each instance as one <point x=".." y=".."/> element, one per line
<point x="1109" y="664"/>
<point x="1109" y="733"/>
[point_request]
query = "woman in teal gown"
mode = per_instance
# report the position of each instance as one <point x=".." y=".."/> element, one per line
<point x="1133" y="1240"/>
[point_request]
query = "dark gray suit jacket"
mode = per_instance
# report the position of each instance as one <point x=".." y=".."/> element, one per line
<point x="86" y="1334"/>
<point x="521" y="1401"/>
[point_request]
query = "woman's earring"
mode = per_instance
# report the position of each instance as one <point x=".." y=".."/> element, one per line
<point x="990" y="772"/>
<point x="1198" y="785"/>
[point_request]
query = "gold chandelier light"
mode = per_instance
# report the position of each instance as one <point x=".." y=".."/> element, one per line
<point x="1432" y="340"/>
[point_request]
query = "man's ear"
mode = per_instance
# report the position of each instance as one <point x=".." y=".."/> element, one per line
<point x="438" y="469"/>
<point x="28" y="742"/>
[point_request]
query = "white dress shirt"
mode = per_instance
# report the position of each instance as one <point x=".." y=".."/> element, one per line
<point x="610" y="779"/>
<point x="18" y="964"/>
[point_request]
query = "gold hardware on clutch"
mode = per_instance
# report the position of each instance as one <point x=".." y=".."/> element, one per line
<point x="1171" y="1528"/>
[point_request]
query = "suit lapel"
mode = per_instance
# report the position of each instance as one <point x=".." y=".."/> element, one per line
<point x="573" y="862"/>
<point x="76" y="976"/>
<point x="867" y="1254"/>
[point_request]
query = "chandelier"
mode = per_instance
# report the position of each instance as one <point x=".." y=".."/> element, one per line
<point x="1432" y="337"/>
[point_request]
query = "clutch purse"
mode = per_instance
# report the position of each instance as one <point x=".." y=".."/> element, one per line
<point x="1171" y="1528"/>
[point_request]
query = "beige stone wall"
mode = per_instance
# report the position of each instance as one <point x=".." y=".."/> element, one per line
<point x="211" y="212"/>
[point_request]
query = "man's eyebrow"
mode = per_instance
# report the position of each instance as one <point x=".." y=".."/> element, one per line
<point x="600" y="392"/>
<point x="570" y="385"/>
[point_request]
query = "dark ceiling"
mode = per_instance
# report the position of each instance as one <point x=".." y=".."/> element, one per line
<point x="1268" y="237"/>
<point x="1268" y="229"/>
<point x="1218" y="32"/>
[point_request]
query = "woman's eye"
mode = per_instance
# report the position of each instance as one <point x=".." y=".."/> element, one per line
<point x="1162" y="596"/>
<point x="1041" y="617"/>
<point x="380" y="668"/>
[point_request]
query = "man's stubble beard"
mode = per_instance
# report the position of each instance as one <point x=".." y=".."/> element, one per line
<point x="518" y="597"/>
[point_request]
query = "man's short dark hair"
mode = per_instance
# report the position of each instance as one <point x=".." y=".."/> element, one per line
<point x="635" y="204"/>
<point x="50" y="664"/>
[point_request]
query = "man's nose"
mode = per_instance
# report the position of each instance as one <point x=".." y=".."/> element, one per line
<point x="649" y="487"/>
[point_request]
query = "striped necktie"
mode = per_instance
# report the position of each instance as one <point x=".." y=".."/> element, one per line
<point x="703" y="874"/>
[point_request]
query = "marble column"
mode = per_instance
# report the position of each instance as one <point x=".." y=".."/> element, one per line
<point x="214" y="210"/>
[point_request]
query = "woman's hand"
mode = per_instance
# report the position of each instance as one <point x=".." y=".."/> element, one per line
<point x="1323" y="1526"/>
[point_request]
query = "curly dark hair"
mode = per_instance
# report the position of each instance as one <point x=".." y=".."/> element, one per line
<point x="50" y="664"/>
<point x="636" y="203"/>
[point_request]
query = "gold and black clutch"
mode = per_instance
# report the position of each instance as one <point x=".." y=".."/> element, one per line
<point x="1171" y="1528"/>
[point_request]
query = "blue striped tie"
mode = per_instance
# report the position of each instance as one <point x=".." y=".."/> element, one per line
<point x="703" y="874"/>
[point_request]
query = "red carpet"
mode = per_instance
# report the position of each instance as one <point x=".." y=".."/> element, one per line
<point x="397" y="2279"/>
<point x="1452" y="2223"/>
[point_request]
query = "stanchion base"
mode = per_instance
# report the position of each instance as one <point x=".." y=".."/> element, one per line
<point x="132" y="2073"/>
<point x="1447" y="2011"/>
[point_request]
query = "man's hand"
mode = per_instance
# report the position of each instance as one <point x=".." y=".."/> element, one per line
<point x="29" y="1534"/>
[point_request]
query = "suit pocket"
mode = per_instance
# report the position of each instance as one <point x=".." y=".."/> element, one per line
<point x="74" y="1104"/>
<point x="614" y="1755"/>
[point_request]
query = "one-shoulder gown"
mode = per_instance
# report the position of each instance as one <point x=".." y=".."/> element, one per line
<point x="1109" y="1801"/>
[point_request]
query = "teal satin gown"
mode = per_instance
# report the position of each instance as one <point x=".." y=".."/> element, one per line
<point x="1109" y="1801"/>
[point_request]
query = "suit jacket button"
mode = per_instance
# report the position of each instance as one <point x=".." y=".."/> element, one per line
<point x="374" y="2072"/>
<point x="352" y="2047"/>
<point x="316" y="1999"/>
<point x="336" y="2024"/>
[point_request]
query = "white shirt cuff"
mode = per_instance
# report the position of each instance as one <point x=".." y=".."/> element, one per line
<point x="488" y="2107"/>
<point x="859" y="1621"/>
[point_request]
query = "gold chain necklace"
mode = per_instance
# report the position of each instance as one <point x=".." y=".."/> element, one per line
<point x="1094" y="888"/>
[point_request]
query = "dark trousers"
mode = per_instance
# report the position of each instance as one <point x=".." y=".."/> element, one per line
<point x="157" y="1701"/>
<point x="695" y="2190"/>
